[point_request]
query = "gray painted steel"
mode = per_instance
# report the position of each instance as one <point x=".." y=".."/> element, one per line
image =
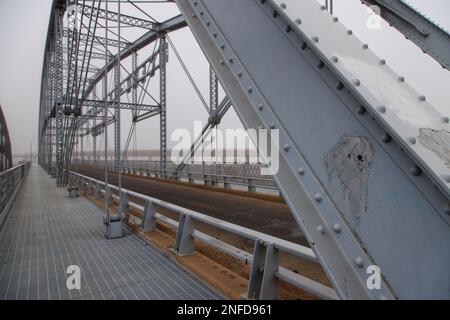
<point x="47" y="231"/>
<point x="354" y="193"/>
<point x="426" y="34"/>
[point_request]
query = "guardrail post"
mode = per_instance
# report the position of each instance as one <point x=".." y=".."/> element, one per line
<point x="190" y="180"/>
<point x="263" y="285"/>
<point x="205" y="179"/>
<point x="184" y="243"/>
<point x="90" y="188"/>
<point x="108" y="195"/>
<point x="148" y="172"/>
<point x="257" y="272"/>
<point x="226" y="183"/>
<point x="123" y="201"/>
<point x="149" y="221"/>
<point x="269" y="287"/>
<point x="251" y="185"/>
<point x="97" y="191"/>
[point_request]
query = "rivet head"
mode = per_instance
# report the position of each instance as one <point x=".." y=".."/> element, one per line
<point x="422" y="98"/>
<point x="412" y="140"/>
<point x="335" y="19"/>
<point x="318" y="197"/>
<point x="315" y="39"/>
<point x="283" y="6"/>
<point x="337" y="228"/>
<point x="349" y="32"/>
<point x="447" y="209"/>
<point x="382" y="62"/>
<point x="222" y="46"/>
<point x="231" y="60"/>
<point x="416" y="171"/>
<point x="320" y="65"/>
<point x="365" y="46"/>
<point x="382" y="109"/>
<point x="320" y="229"/>
<point x="260" y="107"/>
<point x="359" y="262"/>
<point x="222" y="62"/>
<point x="335" y="59"/>
<point x="401" y="79"/>
<point x="387" y="138"/>
<point x="298" y="21"/>
<point x="339" y="85"/>
<point x="239" y="74"/>
<point x="273" y="126"/>
<point x="445" y="120"/>
<point x="301" y="171"/>
<point x="215" y="34"/>
<point x="250" y="89"/>
<point x="361" y="110"/>
<point x="287" y="147"/>
<point x="356" y="82"/>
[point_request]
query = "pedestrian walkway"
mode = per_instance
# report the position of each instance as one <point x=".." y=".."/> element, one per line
<point x="46" y="232"/>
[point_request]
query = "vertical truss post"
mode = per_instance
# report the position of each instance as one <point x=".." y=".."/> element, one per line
<point x="134" y="96"/>
<point x="94" y="134"/>
<point x="58" y="91"/>
<point x="117" y="117"/>
<point x="163" y="56"/>
<point x="50" y="102"/>
<point x="81" y="137"/>
<point x="213" y="105"/>
<point x="213" y="91"/>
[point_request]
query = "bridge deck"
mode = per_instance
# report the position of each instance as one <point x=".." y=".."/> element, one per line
<point x="46" y="231"/>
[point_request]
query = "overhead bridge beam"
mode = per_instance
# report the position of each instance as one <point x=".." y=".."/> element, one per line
<point x="87" y="38"/>
<point x="99" y="104"/>
<point x="427" y="35"/>
<point x="359" y="180"/>
<point x="114" y="17"/>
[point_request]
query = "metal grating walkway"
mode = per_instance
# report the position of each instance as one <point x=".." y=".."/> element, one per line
<point x="46" y="231"/>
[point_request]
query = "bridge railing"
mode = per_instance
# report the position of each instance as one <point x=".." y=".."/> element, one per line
<point x="241" y="176"/>
<point x="266" y="271"/>
<point x="10" y="182"/>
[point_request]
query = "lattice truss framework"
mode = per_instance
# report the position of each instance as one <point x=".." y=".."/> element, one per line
<point x="100" y="59"/>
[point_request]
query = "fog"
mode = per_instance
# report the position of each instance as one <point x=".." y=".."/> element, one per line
<point x="23" y="28"/>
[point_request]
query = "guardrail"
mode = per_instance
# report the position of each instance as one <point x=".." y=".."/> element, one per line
<point x="227" y="181"/>
<point x="265" y="270"/>
<point x="10" y="183"/>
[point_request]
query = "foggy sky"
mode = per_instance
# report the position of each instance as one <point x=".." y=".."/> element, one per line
<point x="23" y="28"/>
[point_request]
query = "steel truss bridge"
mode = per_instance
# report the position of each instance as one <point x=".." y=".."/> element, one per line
<point x="364" y="163"/>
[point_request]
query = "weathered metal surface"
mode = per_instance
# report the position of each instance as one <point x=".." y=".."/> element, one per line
<point x="273" y="70"/>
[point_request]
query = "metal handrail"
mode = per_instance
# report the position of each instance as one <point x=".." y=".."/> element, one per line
<point x="281" y="273"/>
<point x="10" y="182"/>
